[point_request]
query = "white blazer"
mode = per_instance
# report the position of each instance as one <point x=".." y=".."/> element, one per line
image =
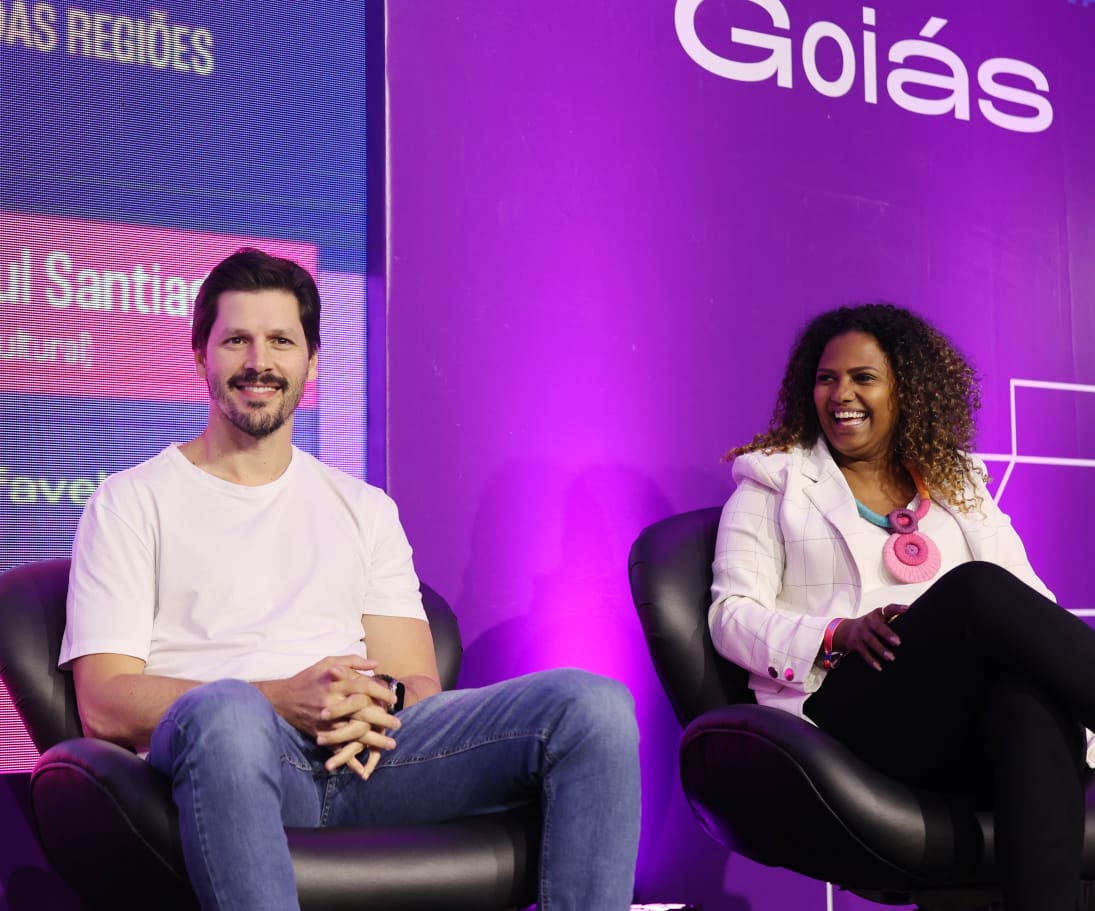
<point x="787" y="561"/>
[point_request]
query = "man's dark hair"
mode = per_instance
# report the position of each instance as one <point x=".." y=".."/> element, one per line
<point x="249" y="269"/>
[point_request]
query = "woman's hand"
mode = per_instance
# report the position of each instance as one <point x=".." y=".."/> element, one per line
<point x="870" y="636"/>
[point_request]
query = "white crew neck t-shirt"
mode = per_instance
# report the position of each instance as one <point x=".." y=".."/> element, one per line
<point x="204" y="579"/>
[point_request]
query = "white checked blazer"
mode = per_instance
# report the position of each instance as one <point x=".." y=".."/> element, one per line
<point x="787" y="561"/>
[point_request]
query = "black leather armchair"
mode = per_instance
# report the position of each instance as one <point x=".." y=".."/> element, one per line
<point x="107" y="823"/>
<point x="773" y="787"/>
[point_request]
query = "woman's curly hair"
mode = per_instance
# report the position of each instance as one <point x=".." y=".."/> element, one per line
<point x="937" y="395"/>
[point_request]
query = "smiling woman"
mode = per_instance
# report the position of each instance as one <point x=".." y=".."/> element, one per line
<point x="871" y="585"/>
<point x="932" y="391"/>
<point x="855" y="397"/>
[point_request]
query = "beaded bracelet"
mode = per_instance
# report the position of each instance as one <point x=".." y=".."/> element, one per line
<point x="829" y="658"/>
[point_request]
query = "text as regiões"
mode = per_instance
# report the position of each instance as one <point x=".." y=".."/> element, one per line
<point x="154" y="40"/>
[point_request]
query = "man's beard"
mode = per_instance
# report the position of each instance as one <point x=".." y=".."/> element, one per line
<point x="259" y="421"/>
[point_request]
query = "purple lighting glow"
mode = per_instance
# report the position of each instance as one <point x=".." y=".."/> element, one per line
<point x="600" y="251"/>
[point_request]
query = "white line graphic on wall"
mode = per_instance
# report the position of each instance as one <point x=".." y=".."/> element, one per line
<point x="1014" y="457"/>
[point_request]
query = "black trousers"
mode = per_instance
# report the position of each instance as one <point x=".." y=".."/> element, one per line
<point x="991" y="687"/>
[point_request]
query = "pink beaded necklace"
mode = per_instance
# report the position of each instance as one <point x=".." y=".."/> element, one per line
<point x="909" y="555"/>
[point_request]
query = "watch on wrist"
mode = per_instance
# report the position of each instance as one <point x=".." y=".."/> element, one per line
<point x="397" y="689"/>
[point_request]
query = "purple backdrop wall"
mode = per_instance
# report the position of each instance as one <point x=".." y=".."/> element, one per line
<point x="599" y="251"/>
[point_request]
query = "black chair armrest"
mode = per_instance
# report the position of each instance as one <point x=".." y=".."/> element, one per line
<point x="781" y="776"/>
<point x="134" y="815"/>
<point x="32" y="615"/>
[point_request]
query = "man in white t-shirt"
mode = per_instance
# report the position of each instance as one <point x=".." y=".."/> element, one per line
<point x="251" y="618"/>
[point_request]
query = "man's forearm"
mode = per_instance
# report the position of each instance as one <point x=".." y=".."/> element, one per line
<point x="125" y="708"/>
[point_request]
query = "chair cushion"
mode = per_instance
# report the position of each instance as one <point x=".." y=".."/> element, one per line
<point x="127" y="822"/>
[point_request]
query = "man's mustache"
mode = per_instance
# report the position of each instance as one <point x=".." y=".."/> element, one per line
<point x="254" y="378"/>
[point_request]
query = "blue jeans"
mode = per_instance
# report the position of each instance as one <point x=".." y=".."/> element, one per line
<point x="566" y="739"/>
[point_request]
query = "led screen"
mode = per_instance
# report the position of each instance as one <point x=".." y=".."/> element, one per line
<point x="141" y="145"/>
